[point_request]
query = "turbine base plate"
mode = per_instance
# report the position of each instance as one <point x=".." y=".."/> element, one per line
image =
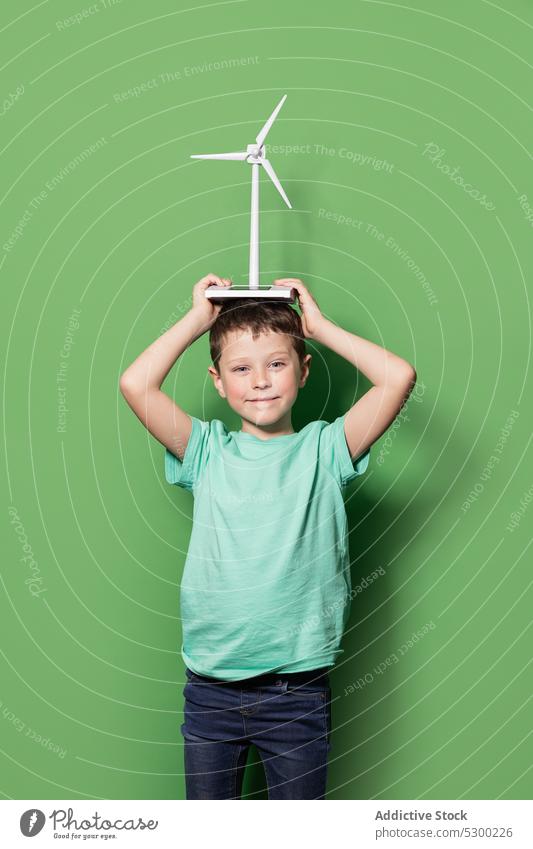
<point x="272" y="293"/>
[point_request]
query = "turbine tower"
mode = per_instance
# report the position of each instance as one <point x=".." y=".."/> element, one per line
<point x="255" y="156"/>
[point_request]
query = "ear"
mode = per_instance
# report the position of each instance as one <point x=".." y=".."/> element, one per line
<point x="217" y="381"/>
<point x="305" y="367"/>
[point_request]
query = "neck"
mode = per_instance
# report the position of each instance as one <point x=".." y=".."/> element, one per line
<point x="283" y="427"/>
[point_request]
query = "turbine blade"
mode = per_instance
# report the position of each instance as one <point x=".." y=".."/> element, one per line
<point x="271" y="173"/>
<point x="263" y="133"/>
<point x="240" y="155"/>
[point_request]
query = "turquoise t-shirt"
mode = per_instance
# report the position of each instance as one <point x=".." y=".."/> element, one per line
<point x="266" y="584"/>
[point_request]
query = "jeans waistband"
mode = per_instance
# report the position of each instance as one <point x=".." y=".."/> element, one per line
<point x="311" y="676"/>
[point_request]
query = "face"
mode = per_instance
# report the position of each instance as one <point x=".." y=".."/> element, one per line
<point x="260" y="378"/>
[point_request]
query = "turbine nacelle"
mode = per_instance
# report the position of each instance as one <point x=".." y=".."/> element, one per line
<point x="255" y="153"/>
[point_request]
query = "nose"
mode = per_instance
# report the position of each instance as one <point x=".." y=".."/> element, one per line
<point x="261" y="380"/>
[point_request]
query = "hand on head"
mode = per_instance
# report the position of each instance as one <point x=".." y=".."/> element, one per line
<point x="204" y="306"/>
<point x="311" y="315"/>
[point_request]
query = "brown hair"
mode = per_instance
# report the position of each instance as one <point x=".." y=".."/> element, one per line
<point x="259" y="317"/>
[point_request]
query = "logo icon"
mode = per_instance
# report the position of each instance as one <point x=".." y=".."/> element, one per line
<point x="31" y="822"/>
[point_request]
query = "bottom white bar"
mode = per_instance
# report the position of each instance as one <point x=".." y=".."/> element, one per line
<point x="148" y="822"/>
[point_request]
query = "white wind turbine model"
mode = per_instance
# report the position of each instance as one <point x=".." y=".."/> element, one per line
<point x="255" y="156"/>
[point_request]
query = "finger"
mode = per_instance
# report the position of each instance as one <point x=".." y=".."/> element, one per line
<point x="304" y="292"/>
<point x="291" y="284"/>
<point x="211" y="279"/>
<point x="294" y="283"/>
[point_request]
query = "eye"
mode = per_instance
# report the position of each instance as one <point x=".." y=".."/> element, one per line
<point x="242" y="368"/>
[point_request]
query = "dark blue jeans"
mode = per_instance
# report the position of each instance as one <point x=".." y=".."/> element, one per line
<point x="287" y="718"/>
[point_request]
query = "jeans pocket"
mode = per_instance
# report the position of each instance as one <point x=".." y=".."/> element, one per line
<point x="309" y="691"/>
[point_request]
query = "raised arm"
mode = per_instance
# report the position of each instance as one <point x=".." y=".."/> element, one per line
<point x="141" y="383"/>
<point x="393" y="380"/>
<point x="393" y="377"/>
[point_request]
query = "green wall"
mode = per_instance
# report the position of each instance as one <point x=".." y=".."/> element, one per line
<point x="408" y="164"/>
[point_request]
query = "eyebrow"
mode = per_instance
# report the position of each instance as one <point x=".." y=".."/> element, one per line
<point x="272" y="354"/>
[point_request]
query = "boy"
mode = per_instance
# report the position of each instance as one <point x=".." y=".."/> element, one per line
<point x="268" y="555"/>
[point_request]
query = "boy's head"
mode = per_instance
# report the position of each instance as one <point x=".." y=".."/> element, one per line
<point x="258" y="352"/>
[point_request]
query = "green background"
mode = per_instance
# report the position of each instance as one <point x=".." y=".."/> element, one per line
<point x="91" y="663"/>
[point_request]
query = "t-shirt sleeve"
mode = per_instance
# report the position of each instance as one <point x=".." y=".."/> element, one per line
<point x="186" y="473"/>
<point x="334" y="452"/>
